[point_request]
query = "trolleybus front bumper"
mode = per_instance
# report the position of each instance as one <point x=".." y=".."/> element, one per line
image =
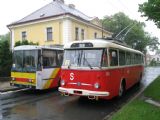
<point x="80" y="92"/>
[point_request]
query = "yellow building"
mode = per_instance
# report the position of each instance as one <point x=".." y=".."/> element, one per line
<point x="56" y="24"/>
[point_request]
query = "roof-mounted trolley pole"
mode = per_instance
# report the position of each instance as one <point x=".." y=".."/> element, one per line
<point x="123" y="30"/>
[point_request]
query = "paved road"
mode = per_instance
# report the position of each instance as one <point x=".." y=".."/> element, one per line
<point x="49" y="105"/>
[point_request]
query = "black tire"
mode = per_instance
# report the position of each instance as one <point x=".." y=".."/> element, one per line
<point x="121" y="89"/>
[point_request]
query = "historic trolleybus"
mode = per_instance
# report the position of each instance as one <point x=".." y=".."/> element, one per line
<point x="99" y="68"/>
<point x="36" y="67"/>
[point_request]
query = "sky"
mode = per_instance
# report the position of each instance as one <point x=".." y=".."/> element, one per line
<point x="13" y="10"/>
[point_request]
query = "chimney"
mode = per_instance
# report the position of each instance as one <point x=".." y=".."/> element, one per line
<point x="72" y="6"/>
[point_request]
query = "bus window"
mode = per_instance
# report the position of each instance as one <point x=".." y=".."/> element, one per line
<point x="113" y="57"/>
<point x="142" y="59"/>
<point x="39" y="61"/>
<point x="60" y="57"/>
<point x="122" y="59"/>
<point x="49" y="58"/>
<point x="30" y="60"/>
<point x="104" y="59"/>
<point x="132" y="59"/>
<point x="139" y="59"/>
<point x="91" y="58"/>
<point x="128" y="58"/>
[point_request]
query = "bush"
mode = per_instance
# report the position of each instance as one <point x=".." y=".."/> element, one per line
<point x="5" y="58"/>
<point x="24" y="42"/>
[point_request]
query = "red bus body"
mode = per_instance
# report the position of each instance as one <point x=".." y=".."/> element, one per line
<point x="81" y="81"/>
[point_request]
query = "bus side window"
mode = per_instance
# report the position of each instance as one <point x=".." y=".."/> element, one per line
<point x="122" y="59"/>
<point x="113" y="57"/>
<point x="104" y="59"/>
<point x="128" y="58"/>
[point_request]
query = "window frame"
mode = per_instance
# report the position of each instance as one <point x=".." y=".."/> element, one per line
<point x="95" y="35"/>
<point x="76" y="33"/>
<point x="24" y="35"/>
<point x="82" y="34"/>
<point x="49" y="31"/>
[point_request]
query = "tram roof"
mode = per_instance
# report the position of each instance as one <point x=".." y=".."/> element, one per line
<point x="35" y="47"/>
<point x="101" y="43"/>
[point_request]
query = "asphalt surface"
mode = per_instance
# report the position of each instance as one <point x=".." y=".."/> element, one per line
<point x="50" y="105"/>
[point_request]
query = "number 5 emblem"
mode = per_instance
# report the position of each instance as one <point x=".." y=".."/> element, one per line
<point x="71" y="76"/>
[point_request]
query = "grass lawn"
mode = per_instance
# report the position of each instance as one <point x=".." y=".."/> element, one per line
<point x="153" y="90"/>
<point x="140" y="110"/>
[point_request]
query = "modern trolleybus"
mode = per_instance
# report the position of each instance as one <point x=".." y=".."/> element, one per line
<point x="99" y="68"/>
<point x="36" y="67"/>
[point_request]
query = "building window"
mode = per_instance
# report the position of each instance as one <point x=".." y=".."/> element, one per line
<point x="49" y="34"/>
<point x="95" y="35"/>
<point x="76" y="33"/>
<point x="82" y="34"/>
<point x="24" y="35"/>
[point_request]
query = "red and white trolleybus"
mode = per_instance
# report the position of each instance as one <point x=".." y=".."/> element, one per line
<point x="100" y="68"/>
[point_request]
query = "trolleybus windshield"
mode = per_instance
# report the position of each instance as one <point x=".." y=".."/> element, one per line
<point x="26" y="60"/>
<point x="83" y="58"/>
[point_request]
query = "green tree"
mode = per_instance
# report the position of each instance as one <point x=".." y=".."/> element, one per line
<point x="151" y="10"/>
<point x="153" y="63"/>
<point x="134" y="34"/>
<point x="5" y="56"/>
<point x="158" y="51"/>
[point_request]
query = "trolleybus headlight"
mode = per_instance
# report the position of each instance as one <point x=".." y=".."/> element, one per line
<point x="96" y="85"/>
<point x="62" y="82"/>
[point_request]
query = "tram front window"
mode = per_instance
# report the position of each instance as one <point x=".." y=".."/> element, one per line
<point x="26" y="61"/>
<point x="83" y="58"/>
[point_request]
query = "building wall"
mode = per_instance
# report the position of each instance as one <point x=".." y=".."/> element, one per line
<point x="80" y="26"/>
<point x="67" y="31"/>
<point x="89" y="31"/>
<point x="63" y="31"/>
<point x="37" y="32"/>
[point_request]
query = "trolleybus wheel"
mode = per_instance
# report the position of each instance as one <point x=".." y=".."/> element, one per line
<point x="121" y="89"/>
<point x="140" y="79"/>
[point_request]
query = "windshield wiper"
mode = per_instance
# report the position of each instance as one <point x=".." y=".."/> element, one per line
<point x="88" y="63"/>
